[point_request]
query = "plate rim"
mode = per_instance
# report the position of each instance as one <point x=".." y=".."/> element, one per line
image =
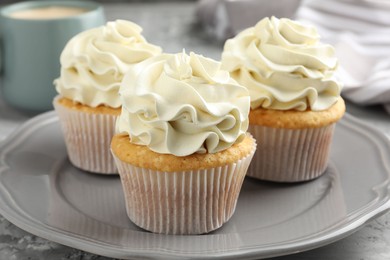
<point x="23" y="221"/>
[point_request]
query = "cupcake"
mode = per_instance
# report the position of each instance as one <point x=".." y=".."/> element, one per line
<point x="182" y="148"/>
<point x="92" y="66"/>
<point x="295" y="98"/>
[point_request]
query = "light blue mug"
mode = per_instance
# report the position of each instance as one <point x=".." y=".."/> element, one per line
<point x="31" y="49"/>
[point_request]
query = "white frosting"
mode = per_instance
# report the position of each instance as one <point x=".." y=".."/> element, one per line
<point x="182" y="104"/>
<point x="284" y="66"/>
<point x="93" y="62"/>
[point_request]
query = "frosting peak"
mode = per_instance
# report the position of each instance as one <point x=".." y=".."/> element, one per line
<point x="179" y="67"/>
<point x="182" y="104"/>
<point x="284" y="66"/>
<point x="93" y="62"/>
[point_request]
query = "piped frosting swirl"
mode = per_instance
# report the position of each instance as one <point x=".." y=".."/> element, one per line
<point x="284" y="66"/>
<point x="182" y="104"/>
<point x="93" y="62"/>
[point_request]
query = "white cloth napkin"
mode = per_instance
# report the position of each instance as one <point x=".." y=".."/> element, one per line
<point x="360" y="32"/>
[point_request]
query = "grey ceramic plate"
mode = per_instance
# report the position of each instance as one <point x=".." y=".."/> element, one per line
<point x="41" y="192"/>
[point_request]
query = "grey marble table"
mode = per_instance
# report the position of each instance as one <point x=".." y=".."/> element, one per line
<point x="173" y="26"/>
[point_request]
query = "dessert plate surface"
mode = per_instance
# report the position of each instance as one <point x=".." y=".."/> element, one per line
<point x="41" y="192"/>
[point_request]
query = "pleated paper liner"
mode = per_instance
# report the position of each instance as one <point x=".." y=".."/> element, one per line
<point x="290" y="155"/>
<point x="87" y="138"/>
<point x="93" y="206"/>
<point x="183" y="202"/>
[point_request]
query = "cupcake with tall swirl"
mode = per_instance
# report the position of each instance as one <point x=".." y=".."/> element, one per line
<point x="92" y="66"/>
<point x="182" y="147"/>
<point x="295" y="98"/>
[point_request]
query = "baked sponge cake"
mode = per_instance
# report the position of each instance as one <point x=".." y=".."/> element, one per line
<point x="182" y="147"/>
<point x="295" y="98"/>
<point x="92" y="66"/>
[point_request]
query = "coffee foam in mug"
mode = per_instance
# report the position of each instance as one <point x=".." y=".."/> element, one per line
<point x="47" y="12"/>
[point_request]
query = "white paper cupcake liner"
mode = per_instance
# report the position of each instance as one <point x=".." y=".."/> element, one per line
<point x="87" y="138"/>
<point x="290" y="155"/>
<point x="185" y="202"/>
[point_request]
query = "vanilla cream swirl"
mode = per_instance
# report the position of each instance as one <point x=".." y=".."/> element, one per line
<point x="182" y="104"/>
<point x="284" y="66"/>
<point x="93" y="62"/>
